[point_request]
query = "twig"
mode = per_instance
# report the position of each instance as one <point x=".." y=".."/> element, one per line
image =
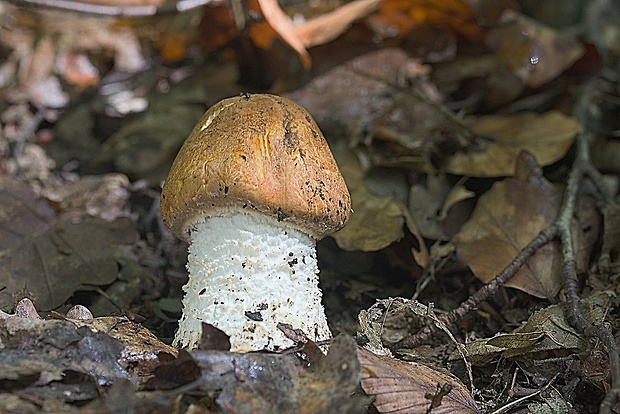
<point x="485" y="292"/>
<point x="518" y="401"/>
<point x="560" y="229"/>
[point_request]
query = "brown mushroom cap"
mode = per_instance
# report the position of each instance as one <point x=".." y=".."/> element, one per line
<point x="258" y="152"/>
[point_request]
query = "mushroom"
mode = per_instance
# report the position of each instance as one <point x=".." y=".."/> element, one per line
<point x="251" y="190"/>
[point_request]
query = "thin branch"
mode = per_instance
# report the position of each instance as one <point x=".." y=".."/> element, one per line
<point x="560" y="229"/>
<point x="484" y="293"/>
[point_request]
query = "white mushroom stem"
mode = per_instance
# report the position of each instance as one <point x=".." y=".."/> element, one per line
<point x="244" y="268"/>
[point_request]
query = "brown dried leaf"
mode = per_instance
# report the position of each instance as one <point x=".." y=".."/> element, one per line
<point x="404" y="16"/>
<point x="141" y="347"/>
<point x="327" y="27"/>
<point x="547" y="136"/>
<point x="36" y="76"/>
<point x="313" y="32"/>
<point x="410" y="388"/>
<point x="51" y="255"/>
<point x="352" y="97"/>
<point x="431" y="202"/>
<point x="55" y="363"/>
<point x="49" y="349"/>
<point x="266" y="383"/>
<point x="506" y="218"/>
<point x="536" y="53"/>
<point x="545" y="330"/>
<point x="104" y="196"/>
<point x="282" y="24"/>
<point x="377" y="222"/>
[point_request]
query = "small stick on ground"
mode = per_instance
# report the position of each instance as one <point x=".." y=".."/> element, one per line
<point x="559" y="229"/>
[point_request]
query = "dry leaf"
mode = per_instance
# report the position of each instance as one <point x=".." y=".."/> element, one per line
<point x="405" y="15"/>
<point x="506" y="218"/>
<point x="273" y="383"/>
<point x="545" y="330"/>
<point x="376" y="222"/>
<point x="402" y="387"/>
<point x="327" y="27"/>
<point x="350" y="98"/>
<point x="431" y="202"/>
<point x="313" y="32"/>
<point x="546" y="136"/>
<point x="282" y="24"/>
<point x="49" y="350"/>
<point x="64" y="363"/>
<point x="77" y="69"/>
<point x="51" y="255"/>
<point x="141" y="348"/>
<point x="536" y="53"/>
<point x="104" y="196"/>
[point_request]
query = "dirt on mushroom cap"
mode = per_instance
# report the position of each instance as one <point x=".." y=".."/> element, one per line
<point x="259" y="152"/>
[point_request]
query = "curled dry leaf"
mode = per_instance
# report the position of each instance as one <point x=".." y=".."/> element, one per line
<point x="272" y="383"/>
<point x="546" y="136"/>
<point x="431" y="202"/>
<point x="403" y="16"/>
<point x="547" y="330"/>
<point x="402" y="387"/>
<point x="350" y="98"/>
<point x="282" y="24"/>
<point x="378" y="221"/>
<point x="536" y="53"/>
<point x="318" y="30"/>
<point x="327" y="27"/>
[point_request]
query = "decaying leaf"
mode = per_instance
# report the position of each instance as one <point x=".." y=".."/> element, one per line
<point x="50" y="254"/>
<point x="546" y="330"/>
<point x="391" y="320"/>
<point x="48" y="349"/>
<point x="536" y="53"/>
<point x="411" y="388"/>
<point x="141" y="147"/>
<point x="141" y="349"/>
<point x="56" y="363"/>
<point x="506" y="218"/>
<point x="377" y="221"/>
<point x="313" y="32"/>
<point x="351" y="97"/>
<point x="404" y="16"/>
<point x="103" y="196"/>
<point x="274" y="383"/>
<point x="546" y="136"/>
<point x="327" y="27"/>
<point x="430" y="203"/>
